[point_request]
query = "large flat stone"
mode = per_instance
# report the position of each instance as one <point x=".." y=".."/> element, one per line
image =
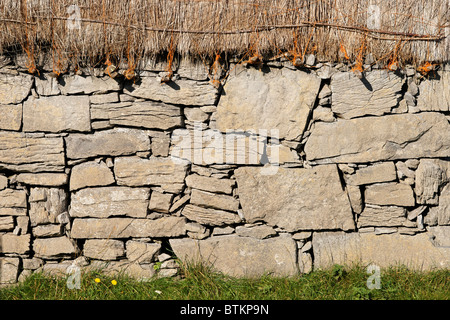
<point x="372" y="139"/>
<point x="210" y="184"/>
<point x="110" y="201"/>
<point x="279" y="99"/>
<point x="114" y="142"/>
<point x="57" y="114"/>
<point x="416" y="252"/>
<point x="43" y="179"/>
<point x="13" y="199"/>
<point x="376" y="94"/>
<point x="184" y="92"/>
<point x="392" y="193"/>
<point x="31" y="153"/>
<point x="10" y="243"/>
<point x="215" y="201"/>
<point x="295" y="199"/>
<point x="241" y="256"/>
<point x="90" y="174"/>
<point x="104" y="249"/>
<point x="434" y="94"/>
<point x="87" y="85"/>
<point x="135" y="171"/>
<point x="378" y="172"/>
<point x="9" y="270"/>
<point x="92" y="228"/>
<point x="14" y="89"/>
<point x="148" y="114"/>
<point x="54" y="248"/>
<point x="11" y="118"/>
<point x="382" y="216"/>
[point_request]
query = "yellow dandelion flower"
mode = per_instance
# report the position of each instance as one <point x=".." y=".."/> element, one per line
<point x="97" y="280"/>
<point x="114" y="282"/>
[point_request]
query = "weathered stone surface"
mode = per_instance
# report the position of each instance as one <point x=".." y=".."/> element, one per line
<point x="215" y="201"/>
<point x="43" y="179"/>
<point x="241" y="256"/>
<point x="125" y="267"/>
<point x="378" y="172"/>
<point x="135" y="171"/>
<point x="3" y="182"/>
<point x="14" y="89"/>
<point x="128" y="227"/>
<point x="142" y="252"/>
<point x="148" y="114"/>
<point x="209" y="216"/>
<point x="195" y="114"/>
<point x="259" y="232"/>
<point x="47" y="86"/>
<point x="396" y="194"/>
<point x="31" y="153"/>
<point x="355" y="198"/>
<point x="185" y="92"/>
<point x="278" y="99"/>
<point x="56" y="114"/>
<point x="416" y="252"/>
<point x="46" y="204"/>
<point x="382" y="216"/>
<point x="440" y="214"/>
<point x="87" y="85"/>
<point x="90" y="174"/>
<point x="295" y="199"/>
<point x="431" y="175"/>
<point x="54" y="248"/>
<point x="47" y="230"/>
<point x="10" y="243"/>
<point x="11" y="117"/>
<point x="434" y="94"/>
<point x="110" y="201"/>
<point x="210" y="184"/>
<point x="6" y="223"/>
<point x="104" y="98"/>
<point x="114" y="142"/>
<point x="104" y="249"/>
<point x="371" y="139"/>
<point x="9" y="270"/>
<point x="376" y="94"/>
<point x="160" y="202"/>
<point x="440" y="236"/>
<point x="13" y="202"/>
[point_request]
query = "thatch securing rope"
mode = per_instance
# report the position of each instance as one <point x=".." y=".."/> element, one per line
<point x="404" y="31"/>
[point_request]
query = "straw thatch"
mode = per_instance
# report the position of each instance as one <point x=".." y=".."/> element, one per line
<point x="409" y="31"/>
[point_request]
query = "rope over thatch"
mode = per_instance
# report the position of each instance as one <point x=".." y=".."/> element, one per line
<point x="90" y="31"/>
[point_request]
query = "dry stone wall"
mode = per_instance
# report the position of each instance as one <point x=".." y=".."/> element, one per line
<point x="279" y="171"/>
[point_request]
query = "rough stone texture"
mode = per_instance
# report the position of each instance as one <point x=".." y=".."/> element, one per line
<point x="160" y="202"/>
<point x="371" y="139"/>
<point x="207" y="216"/>
<point x="210" y="184"/>
<point x="259" y="232"/>
<point x="440" y="214"/>
<point x="128" y="227"/>
<point x="6" y="223"/>
<point x="416" y="252"/>
<point x="376" y="94"/>
<point x="9" y="270"/>
<point x="87" y="85"/>
<point x="46" y="204"/>
<point x="3" y="182"/>
<point x="114" y="142"/>
<point x="215" y="201"/>
<point x="241" y="256"/>
<point x="104" y="98"/>
<point x="11" y="117"/>
<point x="382" y="216"/>
<point x="142" y="252"/>
<point x="134" y="171"/>
<point x="104" y="249"/>
<point x="47" y="86"/>
<point x="148" y="114"/>
<point x="56" y="114"/>
<point x="90" y="174"/>
<point x="434" y="94"/>
<point x="396" y="194"/>
<point x="185" y="92"/>
<point x="13" y="202"/>
<point x="11" y="243"/>
<point x="110" y="201"/>
<point x="14" y="89"/>
<point x="355" y="198"/>
<point x="277" y="99"/>
<point x="295" y="199"/>
<point x="54" y="248"/>
<point x="47" y="230"/>
<point x="440" y="236"/>
<point x="43" y="179"/>
<point x="431" y="175"/>
<point x="379" y="172"/>
<point x="31" y="153"/>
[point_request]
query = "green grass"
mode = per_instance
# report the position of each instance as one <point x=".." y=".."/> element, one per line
<point x="200" y="283"/>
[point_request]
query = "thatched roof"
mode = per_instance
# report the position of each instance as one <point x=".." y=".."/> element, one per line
<point x="408" y="31"/>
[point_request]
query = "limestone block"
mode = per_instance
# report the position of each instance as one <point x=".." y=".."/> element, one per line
<point x="371" y="139"/>
<point x="31" y="153"/>
<point x="142" y="252"/>
<point x="13" y="202"/>
<point x="14" y="89"/>
<point x="241" y="256"/>
<point x="11" y="117"/>
<point x="440" y="214"/>
<point x="160" y="202"/>
<point x="210" y="184"/>
<point x="431" y="175"/>
<point x="46" y="204"/>
<point x="47" y="230"/>
<point x="104" y="249"/>
<point x="11" y="243"/>
<point x="378" y="172"/>
<point x="215" y="201"/>
<point x="434" y="94"/>
<point x="54" y="248"/>
<point x="396" y="194"/>
<point x="9" y="270"/>
<point x="90" y="174"/>
<point x="208" y="216"/>
<point x="110" y="201"/>
<point x="382" y="216"/>
<point x="6" y="223"/>
<point x="80" y="84"/>
<point x="57" y="114"/>
<point x="259" y="232"/>
<point x="295" y="199"/>
<point x="276" y="99"/>
<point x="43" y="179"/>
